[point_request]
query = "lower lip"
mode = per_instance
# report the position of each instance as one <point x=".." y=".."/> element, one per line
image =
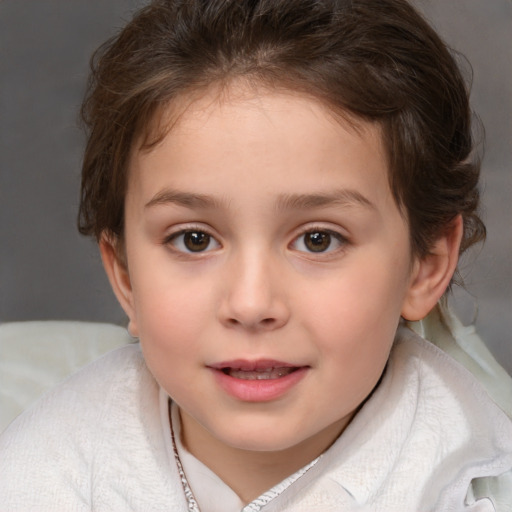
<point x="259" y="390"/>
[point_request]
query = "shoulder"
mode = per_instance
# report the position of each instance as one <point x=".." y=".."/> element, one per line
<point x="89" y="391"/>
<point x="466" y="423"/>
<point x="437" y="375"/>
<point x="66" y="448"/>
<point x="84" y="394"/>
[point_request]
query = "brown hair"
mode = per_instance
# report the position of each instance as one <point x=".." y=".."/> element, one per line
<point x="378" y="60"/>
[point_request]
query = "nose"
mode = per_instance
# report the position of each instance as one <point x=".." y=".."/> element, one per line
<point x="254" y="295"/>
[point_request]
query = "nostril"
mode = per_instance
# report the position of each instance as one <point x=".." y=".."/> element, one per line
<point x="263" y="323"/>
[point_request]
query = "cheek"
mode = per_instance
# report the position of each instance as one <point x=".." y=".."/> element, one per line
<point x="170" y="313"/>
<point x="355" y="318"/>
<point x="170" y="327"/>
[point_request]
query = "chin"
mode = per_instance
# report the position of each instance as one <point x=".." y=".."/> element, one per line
<point x="266" y="439"/>
<point x="262" y="445"/>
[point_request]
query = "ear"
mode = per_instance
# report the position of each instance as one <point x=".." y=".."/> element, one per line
<point x="117" y="273"/>
<point x="432" y="273"/>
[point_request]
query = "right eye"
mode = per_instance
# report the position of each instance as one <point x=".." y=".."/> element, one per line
<point x="193" y="241"/>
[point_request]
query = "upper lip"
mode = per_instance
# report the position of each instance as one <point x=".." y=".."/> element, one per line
<point x="251" y="366"/>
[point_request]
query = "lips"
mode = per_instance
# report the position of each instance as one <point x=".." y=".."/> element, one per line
<point x="257" y="381"/>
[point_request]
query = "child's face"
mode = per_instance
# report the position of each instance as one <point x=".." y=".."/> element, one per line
<point x="268" y="269"/>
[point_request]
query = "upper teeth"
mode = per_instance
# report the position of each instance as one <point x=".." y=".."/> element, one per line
<point x="259" y="373"/>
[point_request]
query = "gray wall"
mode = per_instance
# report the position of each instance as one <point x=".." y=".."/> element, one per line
<point x="47" y="271"/>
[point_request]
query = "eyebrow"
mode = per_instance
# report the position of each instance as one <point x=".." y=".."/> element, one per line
<point x="344" y="197"/>
<point x="185" y="199"/>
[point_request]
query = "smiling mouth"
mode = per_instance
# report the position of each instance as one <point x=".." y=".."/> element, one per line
<point x="262" y="380"/>
<point x="259" y="373"/>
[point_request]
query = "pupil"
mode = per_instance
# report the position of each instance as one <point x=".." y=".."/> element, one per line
<point x="196" y="241"/>
<point x="318" y="241"/>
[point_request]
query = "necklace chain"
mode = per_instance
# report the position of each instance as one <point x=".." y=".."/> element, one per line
<point x="192" y="505"/>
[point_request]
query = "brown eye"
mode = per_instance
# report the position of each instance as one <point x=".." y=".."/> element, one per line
<point x="193" y="241"/>
<point x="317" y="241"/>
<point x="196" y="241"/>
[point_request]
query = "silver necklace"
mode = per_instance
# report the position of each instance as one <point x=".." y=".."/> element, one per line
<point x="192" y="505"/>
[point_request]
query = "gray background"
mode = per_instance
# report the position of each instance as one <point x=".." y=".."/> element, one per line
<point x="47" y="271"/>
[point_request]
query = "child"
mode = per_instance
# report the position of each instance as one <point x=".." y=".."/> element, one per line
<point x="276" y="186"/>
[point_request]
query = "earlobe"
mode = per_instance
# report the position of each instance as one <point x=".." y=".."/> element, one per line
<point x="432" y="273"/>
<point x="118" y="275"/>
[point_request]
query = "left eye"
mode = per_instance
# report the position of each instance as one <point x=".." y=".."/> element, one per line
<point x="193" y="241"/>
<point x="318" y="241"/>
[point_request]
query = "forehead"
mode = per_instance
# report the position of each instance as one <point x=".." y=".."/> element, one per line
<point x="245" y="93"/>
<point x="251" y="157"/>
<point x="206" y="121"/>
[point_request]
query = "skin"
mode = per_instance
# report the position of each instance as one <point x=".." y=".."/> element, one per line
<point x="257" y="179"/>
